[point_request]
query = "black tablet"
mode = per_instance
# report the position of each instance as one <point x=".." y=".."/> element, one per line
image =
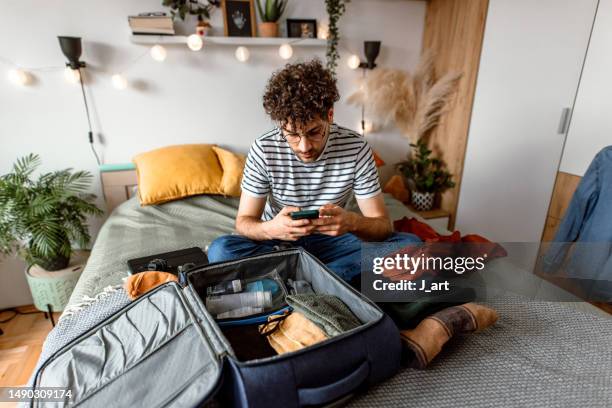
<point x="168" y="261"/>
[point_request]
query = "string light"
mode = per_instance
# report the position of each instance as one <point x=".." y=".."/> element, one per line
<point x="72" y="76"/>
<point x="195" y="42"/>
<point x="18" y="76"/>
<point x="323" y="32"/>
<point x="158" y="53"/>
<point x="119" y="82"/>
<point x="285" y="51"/>
<point x="242" y="54"/>
<point x="353" y="61"/>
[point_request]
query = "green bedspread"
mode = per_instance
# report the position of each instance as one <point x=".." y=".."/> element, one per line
<point x="133" y="231"/>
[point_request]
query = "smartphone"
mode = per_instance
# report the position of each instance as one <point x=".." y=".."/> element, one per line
<point x="305" y="214"/>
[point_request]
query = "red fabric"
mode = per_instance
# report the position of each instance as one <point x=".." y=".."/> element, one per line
<point x="479" y="247"/>
<point x="378" y="161"/>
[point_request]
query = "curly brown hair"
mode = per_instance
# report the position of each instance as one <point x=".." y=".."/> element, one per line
<point x="300" y="92"/>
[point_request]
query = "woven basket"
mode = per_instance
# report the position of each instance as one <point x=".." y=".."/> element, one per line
<point x="54" y="288"/>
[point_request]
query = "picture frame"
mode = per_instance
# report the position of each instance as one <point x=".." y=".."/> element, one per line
<point x="239" y="18"/>
<point x="301" y="28"/>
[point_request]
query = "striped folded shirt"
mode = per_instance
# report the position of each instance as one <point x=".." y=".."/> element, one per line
<point x="345" y="166"/>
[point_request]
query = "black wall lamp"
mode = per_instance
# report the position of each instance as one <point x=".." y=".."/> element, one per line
<point x="371" y="49"/>
<point x="72" y="50"/>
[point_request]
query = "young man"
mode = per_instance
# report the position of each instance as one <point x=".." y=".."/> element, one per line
<point x="308" y="162"/>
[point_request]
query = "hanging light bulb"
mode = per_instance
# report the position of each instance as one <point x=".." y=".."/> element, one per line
<point x="18" y="77"/>
<point x="285" y="51"/>
<point x="119" y="82"/>
<point x="242" y="54"/>
<point x="353" y="61"/>
<point x="195" y="42"/>
<point x="323" y="31"/>
<point x="72" y="76"/>
<point x="158" y="53"/>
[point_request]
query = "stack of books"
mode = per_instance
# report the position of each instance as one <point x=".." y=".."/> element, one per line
<point x="151" y="23"/>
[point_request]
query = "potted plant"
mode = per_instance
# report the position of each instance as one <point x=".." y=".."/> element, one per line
<point x="201" y="9"/>
<point x="41" y="219"/>
<point x="425" y="176"/>
<point x="270" y="14"/>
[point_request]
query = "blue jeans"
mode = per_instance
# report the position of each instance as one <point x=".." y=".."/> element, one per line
<point x="341" y="254"/>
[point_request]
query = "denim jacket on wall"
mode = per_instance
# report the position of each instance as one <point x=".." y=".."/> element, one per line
<point x="587" y="223"/>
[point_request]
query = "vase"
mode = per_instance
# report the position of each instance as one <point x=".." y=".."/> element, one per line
<point x="53" y="288"/>
<point x="422" y="201"/>
<point x="202" y="29"/>
<point x="268" y="29"/>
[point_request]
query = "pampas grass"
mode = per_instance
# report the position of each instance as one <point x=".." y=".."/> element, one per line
<point x="413" y="102"/>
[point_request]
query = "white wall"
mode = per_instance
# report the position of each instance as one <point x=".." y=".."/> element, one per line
<point x="591" y="125"/>
<point x="205" y="96"/>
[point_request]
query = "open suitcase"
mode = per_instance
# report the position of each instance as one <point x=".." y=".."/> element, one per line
<point x="165" y="349"/>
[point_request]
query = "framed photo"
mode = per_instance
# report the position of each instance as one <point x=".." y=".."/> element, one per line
<point x="239" y="18"/>
<point x="301" y="28"/>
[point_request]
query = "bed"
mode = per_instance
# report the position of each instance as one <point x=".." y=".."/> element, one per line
<point x="538" y="354"/>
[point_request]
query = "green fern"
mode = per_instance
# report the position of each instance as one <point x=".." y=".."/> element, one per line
<point x="41" y="219"/>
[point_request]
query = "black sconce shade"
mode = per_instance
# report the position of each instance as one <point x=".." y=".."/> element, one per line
<point x="71" y="47"/>
<point x="371" y="50"/>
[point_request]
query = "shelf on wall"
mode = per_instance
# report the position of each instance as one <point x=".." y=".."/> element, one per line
<point x="252" y="41"/>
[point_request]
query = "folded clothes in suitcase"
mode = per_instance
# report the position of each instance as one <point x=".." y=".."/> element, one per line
<point x="166" y="349"/>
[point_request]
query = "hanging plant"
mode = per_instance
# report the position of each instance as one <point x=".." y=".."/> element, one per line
<point x="335" y="10"/>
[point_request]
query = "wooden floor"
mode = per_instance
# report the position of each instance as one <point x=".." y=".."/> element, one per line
<point x="20" y="345"/>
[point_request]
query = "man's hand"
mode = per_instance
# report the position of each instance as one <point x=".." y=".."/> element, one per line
<point x="284" y="228"/>
<point x="334" y="220"/>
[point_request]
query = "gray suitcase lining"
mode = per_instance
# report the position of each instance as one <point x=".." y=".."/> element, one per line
<point x="103" y="357"/>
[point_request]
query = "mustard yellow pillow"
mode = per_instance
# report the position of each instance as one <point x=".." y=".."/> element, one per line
<point x="175" y="172"/>
<point x="233" y="167"/>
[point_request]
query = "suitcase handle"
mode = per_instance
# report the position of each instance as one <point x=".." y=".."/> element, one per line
<point x="335" y="390"/>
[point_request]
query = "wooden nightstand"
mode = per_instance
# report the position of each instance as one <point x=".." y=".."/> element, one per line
<point x="437" y="218"/>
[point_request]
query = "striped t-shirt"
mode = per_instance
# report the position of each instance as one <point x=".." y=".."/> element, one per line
<point x="346" y="165"/>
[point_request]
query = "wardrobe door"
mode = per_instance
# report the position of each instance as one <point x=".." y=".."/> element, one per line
<point x="591" y="127"/>
<point x="532" y="56"/>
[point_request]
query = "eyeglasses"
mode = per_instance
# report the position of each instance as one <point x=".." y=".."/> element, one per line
<point x="314" y="135"/>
